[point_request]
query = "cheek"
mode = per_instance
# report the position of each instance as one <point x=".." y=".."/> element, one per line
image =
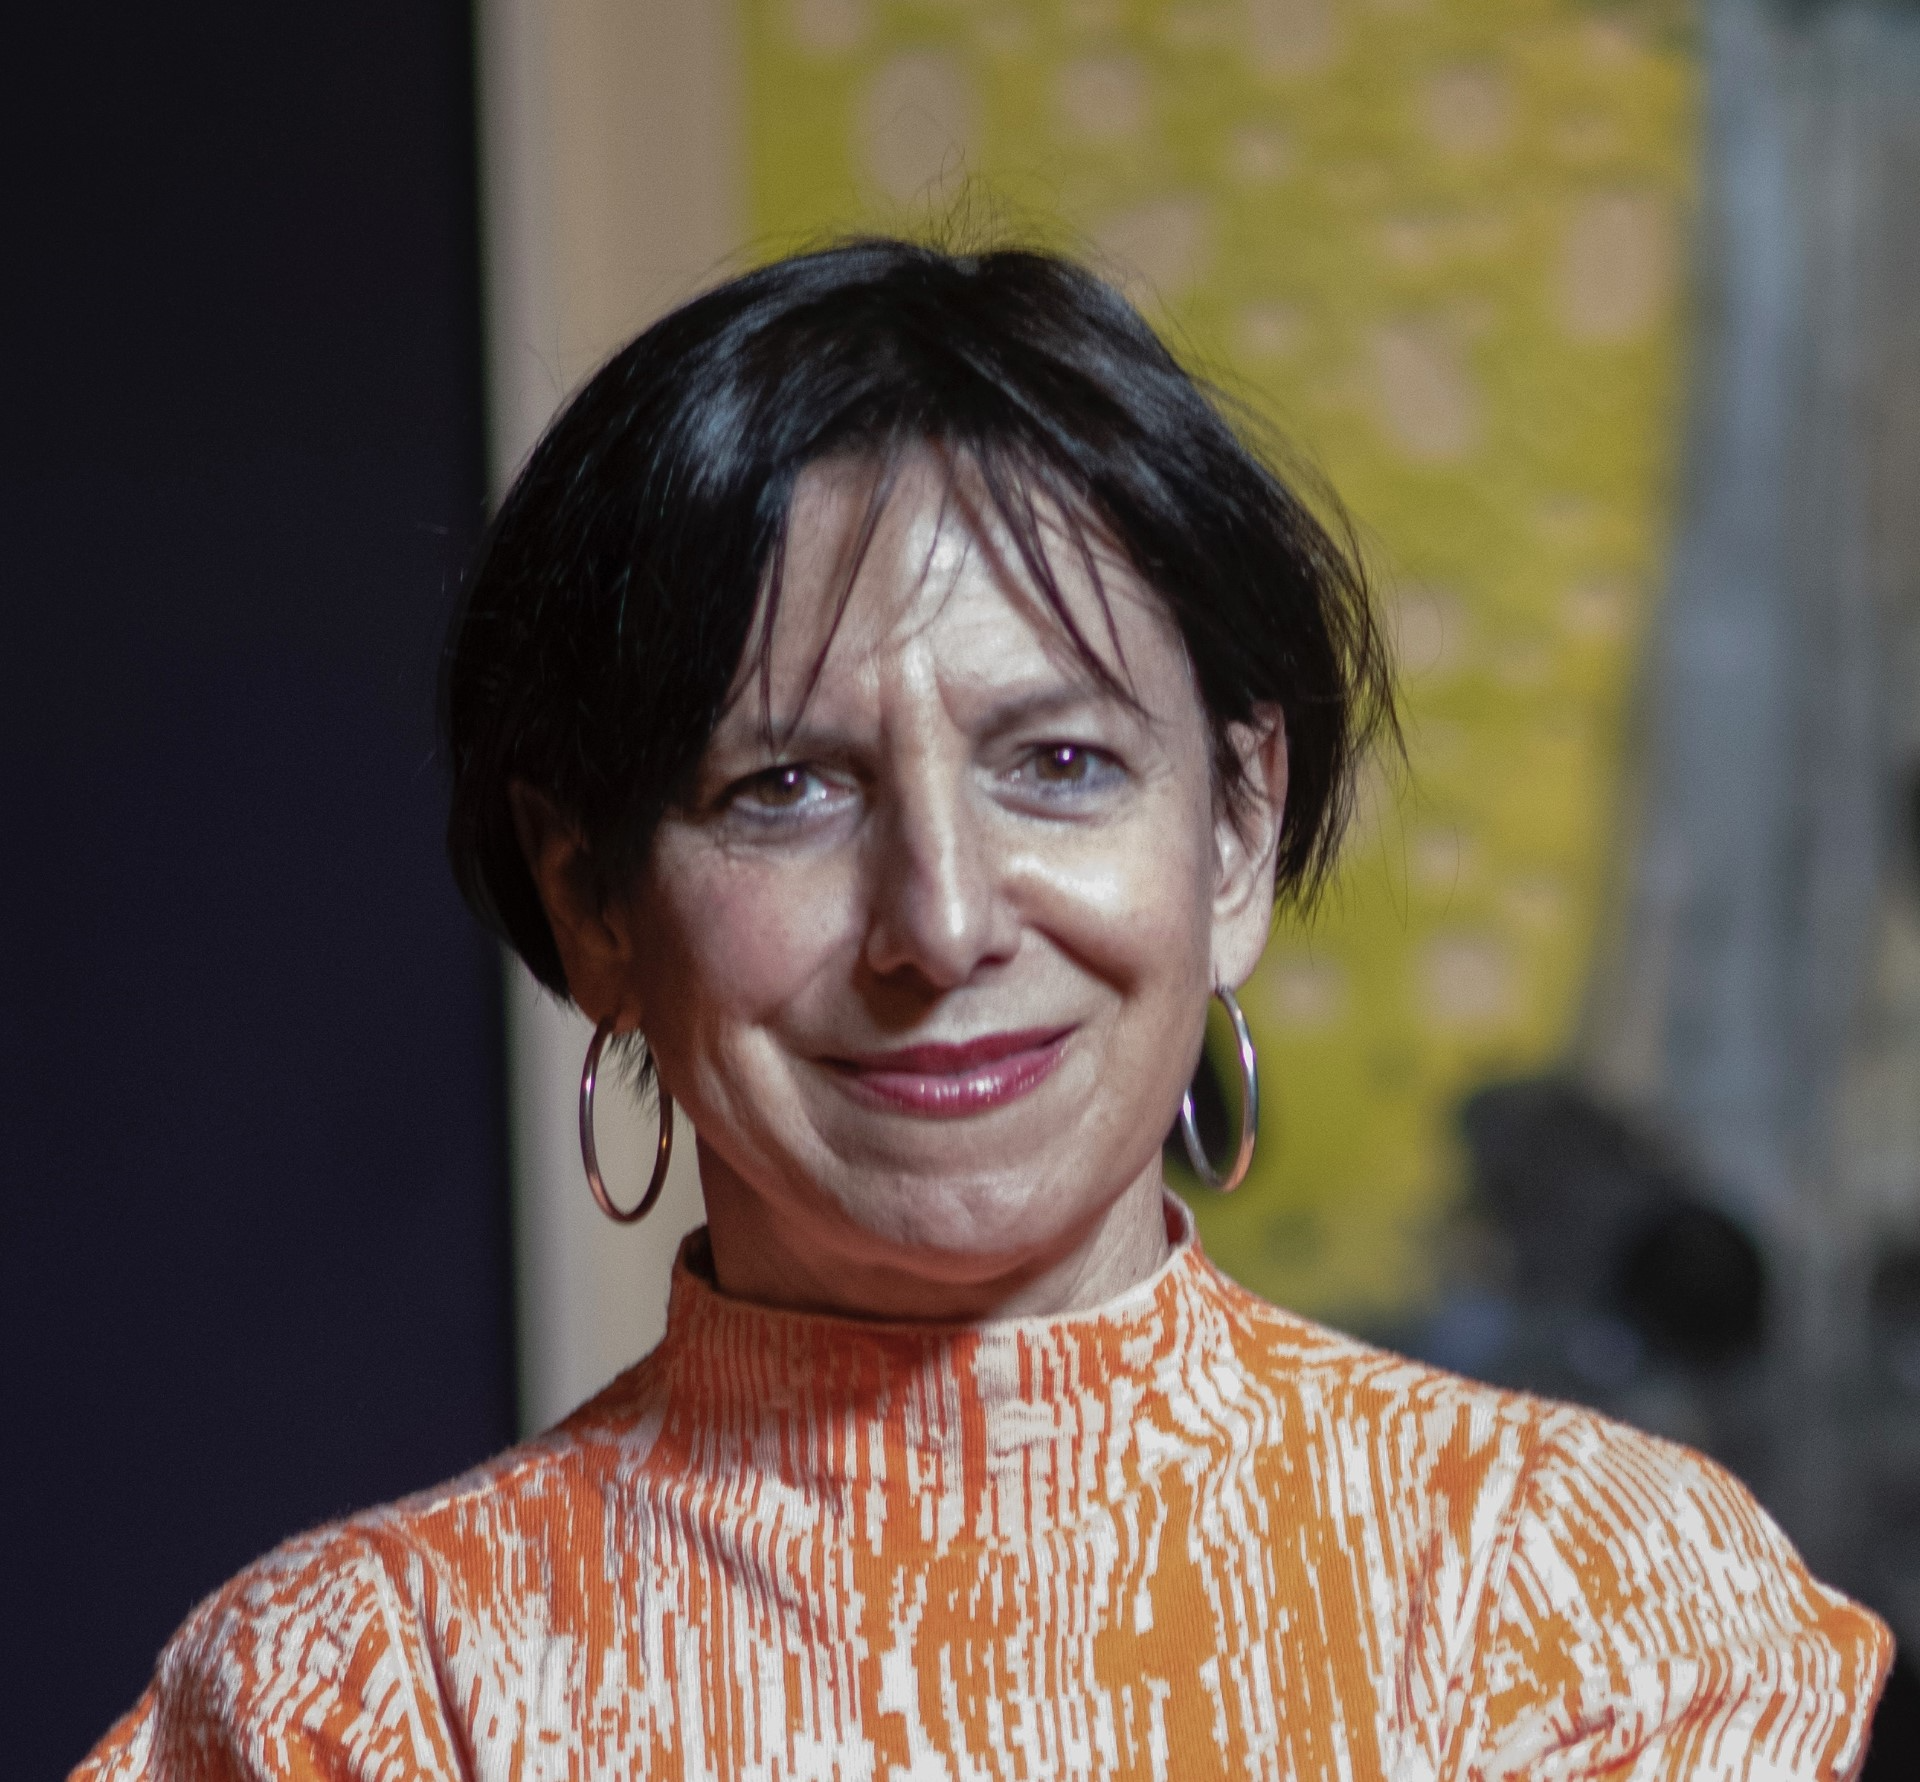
<point x="727" y="942"/>
<point x="1132" y="904"/>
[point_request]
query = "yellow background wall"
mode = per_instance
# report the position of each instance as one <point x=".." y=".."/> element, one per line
<point x="1439" y="242"/>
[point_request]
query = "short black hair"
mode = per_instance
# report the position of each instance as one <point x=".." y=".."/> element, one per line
<point x="612" y="604"/>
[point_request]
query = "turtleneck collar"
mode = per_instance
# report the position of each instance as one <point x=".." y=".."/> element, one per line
<point x="997" y="1427"/>
<point x="700" y="1318"/>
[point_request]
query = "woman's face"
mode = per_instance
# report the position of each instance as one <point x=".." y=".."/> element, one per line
<point x="928" y="970"/>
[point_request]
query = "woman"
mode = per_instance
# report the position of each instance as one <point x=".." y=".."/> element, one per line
<point x="888" y="704"/>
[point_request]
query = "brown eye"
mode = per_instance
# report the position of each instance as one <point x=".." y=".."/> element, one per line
<point x="791" y="791"/>
<point x="783" y="786"/>
<point x="1069" y="773"/>
<point x="1061" y="765"/>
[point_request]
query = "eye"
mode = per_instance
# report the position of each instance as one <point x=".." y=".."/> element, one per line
<point x="783" y="787"/>
<point x="1062" y="764"/>
<point x="1065" y="767"/>
<point x="791" y="789"/>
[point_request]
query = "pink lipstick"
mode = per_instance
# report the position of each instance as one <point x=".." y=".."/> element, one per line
<point x="946" y="1082"/>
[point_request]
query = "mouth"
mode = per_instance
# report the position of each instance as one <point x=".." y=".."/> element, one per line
<point x="948" y="1082"/>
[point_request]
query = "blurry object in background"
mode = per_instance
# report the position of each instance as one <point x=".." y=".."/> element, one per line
<point x="1759" y="1001"/>
<point x="1593" y="1266"/>
<point x="1693" y="1281"/>
<point x="1894" y="1755"/>
<point x="1913" y="819"/>
<point x="1894" y="1312"/>
<point x="1599" y="1216"/>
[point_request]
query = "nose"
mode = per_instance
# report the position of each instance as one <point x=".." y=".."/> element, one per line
<point x="937" y="905"/>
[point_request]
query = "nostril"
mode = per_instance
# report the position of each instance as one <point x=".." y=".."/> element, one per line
<point x="932" y="931"/>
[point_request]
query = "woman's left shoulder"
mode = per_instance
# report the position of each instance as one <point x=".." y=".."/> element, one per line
<point x="1617" y="1594"/>
<point x="1644" y="1611"/>
<point x="1633" y="1524"/>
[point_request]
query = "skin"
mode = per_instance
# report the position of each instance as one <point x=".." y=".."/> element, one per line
<point x="954" y="832"/>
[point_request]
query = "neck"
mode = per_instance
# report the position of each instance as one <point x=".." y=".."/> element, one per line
<point x="818" y="1260"/>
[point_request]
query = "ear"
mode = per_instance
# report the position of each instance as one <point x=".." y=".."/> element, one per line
<point x="1246" y="841"/>
<point x="594" y="938"/>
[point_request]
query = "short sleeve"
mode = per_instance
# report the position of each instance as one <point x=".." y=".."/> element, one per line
<point x="1649" y="1621"/>
<point x="308" y="1667"/>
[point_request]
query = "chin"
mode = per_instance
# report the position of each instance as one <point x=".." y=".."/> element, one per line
<point x="973" y="1224"/>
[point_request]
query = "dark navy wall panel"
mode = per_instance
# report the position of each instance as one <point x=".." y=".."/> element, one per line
<point x="253" y="1222"/>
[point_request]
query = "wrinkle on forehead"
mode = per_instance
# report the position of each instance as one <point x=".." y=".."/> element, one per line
<point x="853" y="523"/>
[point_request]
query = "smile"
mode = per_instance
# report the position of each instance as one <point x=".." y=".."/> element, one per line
<point x="946" y="1082"/>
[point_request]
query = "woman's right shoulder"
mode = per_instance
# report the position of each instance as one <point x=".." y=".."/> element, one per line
<point x="334" y="1638"/>
<point x="447" y="1541"/>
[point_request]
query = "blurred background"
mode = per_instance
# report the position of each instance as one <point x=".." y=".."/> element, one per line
<point x="1598" y="1071"/>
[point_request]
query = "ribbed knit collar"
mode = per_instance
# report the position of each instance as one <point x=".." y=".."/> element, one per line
<point x="994" y="1429"/>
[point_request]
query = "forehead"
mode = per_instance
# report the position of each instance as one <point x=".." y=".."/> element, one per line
<point x="917" y="564"/>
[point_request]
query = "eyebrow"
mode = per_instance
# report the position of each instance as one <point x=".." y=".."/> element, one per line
<point x="1012" y="713"/>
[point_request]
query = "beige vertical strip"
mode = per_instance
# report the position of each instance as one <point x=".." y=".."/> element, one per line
<point x="611" y="150"/>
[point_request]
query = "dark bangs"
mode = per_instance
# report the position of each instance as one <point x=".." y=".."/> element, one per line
<point x="611" y="610"/>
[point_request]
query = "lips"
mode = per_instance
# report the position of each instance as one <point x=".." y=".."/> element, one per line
<point x="952" y="1081"/>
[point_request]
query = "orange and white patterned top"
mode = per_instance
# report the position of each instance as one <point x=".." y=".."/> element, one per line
<point x="1185" y="1535"/>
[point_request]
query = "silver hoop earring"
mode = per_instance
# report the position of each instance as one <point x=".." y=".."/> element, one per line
<point x="1249" y="1107"/>
<point x="590" y="1156"/>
